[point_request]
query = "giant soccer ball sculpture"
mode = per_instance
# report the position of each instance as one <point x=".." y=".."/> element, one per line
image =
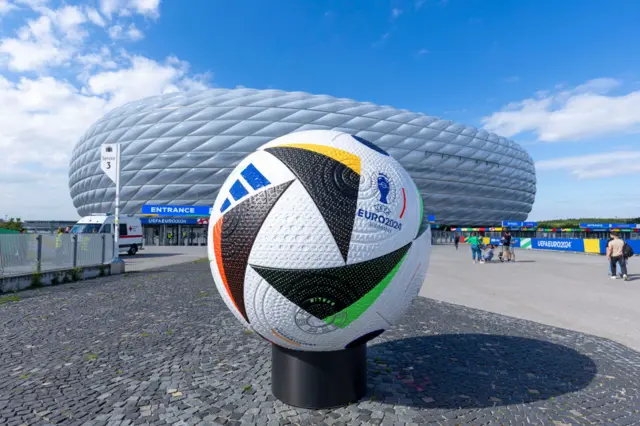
<point x="317" y="241"/>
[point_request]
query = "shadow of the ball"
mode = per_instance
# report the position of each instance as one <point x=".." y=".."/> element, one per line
<point x="473" y="370"/>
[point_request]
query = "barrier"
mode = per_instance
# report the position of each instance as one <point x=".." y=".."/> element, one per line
<point x="30" y="253"/>
<point x="559" y="244"/>
<point x="593" y="246"/>
<point x="579" y="245"/>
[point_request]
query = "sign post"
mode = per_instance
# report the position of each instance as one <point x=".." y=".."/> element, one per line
<point x="110" y="164"/>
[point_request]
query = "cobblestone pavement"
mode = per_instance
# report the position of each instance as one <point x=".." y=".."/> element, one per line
<point x="161" y="348"/>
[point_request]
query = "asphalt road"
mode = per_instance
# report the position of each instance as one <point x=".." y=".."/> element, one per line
<point x="159" y="256"/>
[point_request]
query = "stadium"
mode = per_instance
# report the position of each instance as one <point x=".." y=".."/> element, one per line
<point x="178" y="148"/>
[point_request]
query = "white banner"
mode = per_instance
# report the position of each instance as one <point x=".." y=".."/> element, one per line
<point x="109" y="159"/>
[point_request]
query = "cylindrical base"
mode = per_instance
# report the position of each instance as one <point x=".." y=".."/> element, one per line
<point x="319" y="380"/>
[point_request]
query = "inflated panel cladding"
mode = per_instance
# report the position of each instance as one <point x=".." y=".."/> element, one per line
<point x="223" y="126"/>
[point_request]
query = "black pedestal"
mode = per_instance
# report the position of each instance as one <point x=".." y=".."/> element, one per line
<point x="318" y="380"/>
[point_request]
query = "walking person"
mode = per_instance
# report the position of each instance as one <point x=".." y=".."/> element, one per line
<point x="617" y="270"/>
<point x="615" y="254"/>
<point x="474" y="242"/>
<point x="506" y="243"/>
<point x="456" y="240"/>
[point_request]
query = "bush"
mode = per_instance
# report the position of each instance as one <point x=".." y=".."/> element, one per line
<point x="36" y="279"/>
<point x="76" y="274"/>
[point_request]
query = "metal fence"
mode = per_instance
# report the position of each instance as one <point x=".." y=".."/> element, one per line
<point x="446" y="237"/>
<point x="29" y="253"/>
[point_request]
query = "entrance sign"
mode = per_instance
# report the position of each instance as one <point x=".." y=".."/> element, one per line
<point x="610" y="225"/>
<point x="158" y="210"/>
<point x="172" y="221"/>
<point x="110" y="164"/>
<point x="512" y="224"/>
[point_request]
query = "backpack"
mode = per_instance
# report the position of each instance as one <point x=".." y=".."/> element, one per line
<point x="627" y="251"/>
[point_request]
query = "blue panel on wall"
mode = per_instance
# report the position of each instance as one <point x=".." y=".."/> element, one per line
<point x="562" y="244"/>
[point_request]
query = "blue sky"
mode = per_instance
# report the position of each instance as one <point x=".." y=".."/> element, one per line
<point x="562" y="78"/>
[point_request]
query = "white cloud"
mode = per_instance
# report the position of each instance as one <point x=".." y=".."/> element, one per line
<point x="117" y="32"/>
<point x="69" y="20"/>
<point x="95" y="17"/>
<point x="47" y="41"/>
<point x="588" y="110"/>
<point x="148" y="8"/>
<point x="33" y="3"/>
<point x="6" y="7"/>
<point x="395" y="13"/>
<point x="35" y="47"/>
<point x="109" y="6"/>
<point x="99" y="59"/>
<point x="595" y="166"/>
<point x="381" y="40"/>
<point x="41" y="118"/>
<point x="144" y="77"/>
<point x="77" y="80"/>
<point x="133" y="33"/>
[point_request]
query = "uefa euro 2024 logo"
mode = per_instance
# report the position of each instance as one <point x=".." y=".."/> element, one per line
<point x="384" y="187"/>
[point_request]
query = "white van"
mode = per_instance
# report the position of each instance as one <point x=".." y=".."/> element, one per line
<point x="131" y="236"/>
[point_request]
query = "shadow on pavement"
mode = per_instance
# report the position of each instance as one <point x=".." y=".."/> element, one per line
<point x="474" y="371"/>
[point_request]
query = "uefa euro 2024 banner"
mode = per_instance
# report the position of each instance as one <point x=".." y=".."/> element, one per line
<point x="562" y="244"/>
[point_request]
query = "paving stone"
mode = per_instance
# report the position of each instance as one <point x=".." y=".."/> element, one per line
<point x="139" y="349"/>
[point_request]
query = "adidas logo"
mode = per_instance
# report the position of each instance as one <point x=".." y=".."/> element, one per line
<point x="238" y="190"/>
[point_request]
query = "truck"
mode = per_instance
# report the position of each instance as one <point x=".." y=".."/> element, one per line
<point x="131" y="237"/>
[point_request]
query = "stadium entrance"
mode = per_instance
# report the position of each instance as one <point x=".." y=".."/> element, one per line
<point x="175" y="231"/>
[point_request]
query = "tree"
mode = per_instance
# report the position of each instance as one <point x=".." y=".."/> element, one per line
<point x="15" y="224"/>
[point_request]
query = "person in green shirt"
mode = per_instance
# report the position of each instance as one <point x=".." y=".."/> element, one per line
<point x="474" y="242"/>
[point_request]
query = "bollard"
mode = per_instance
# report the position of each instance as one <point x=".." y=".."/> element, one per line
<point x="39" y="254"/>
<point x="75" y="250"/>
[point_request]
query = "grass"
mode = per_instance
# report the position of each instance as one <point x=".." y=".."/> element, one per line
<point x="201" y="260"/>
<point x="203" y="294"/>
<point x="25" y="376"/>
<point x="247" y="388"/>
<point x="90" y="356"/>
<point x="7" y="299"/>
<point x="144" y="334"/>
<point x="170" y="332"/>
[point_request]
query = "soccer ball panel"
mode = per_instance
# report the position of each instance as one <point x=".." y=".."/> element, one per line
<point x="295" y="235"/>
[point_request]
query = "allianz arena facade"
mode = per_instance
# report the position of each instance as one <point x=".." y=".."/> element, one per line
<point x="177" y="149"/>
